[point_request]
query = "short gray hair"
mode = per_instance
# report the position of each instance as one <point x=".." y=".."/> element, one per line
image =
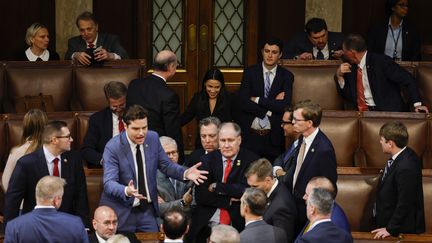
<point x="224" y="234"/>
<point x="234" y="125"/>
<point x="118" y="238"/>
<point x="322" y="200"/>
<point x="49" y="187"/>
<point x="165" y="140"/>
<point x="209" y="120"/>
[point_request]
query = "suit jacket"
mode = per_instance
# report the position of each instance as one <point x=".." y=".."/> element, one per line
<point x="301" y="43"/>
<point x="111" y="43"/>
<point x="325" y="232"/>
<point x="260" y="231"/>
<point x="194" y="157"/>
<point x="320" y="160"/>
<point x="399" y="205"/>
<point x="385" y="79"/>
<point x="209" y="202"/>
<point x="99" y="132"/>
<point x="339" y="218"/>
<point x="281" y="211"/>
<point x="131" y="236"/>
<point x="411" y="44"/>
<point x="252" y="85"/>
<point x="162" y="105"/>
<point x="166" y="191"/>
<point x="119" y="169"/>
<point x="46" y="225"/>
<point x="32" y="167"/>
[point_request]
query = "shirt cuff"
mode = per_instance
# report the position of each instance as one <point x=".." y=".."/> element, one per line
<point x="341" y="83"/>
<point x="275" y="168"/>
<point x="184" y="175"/>
<point x="256" y="100"/>
<point x="417" y="104"/>
<point x="116" y="57"/>
<point x="269" y="113"/>
<point x="125" y="191"/>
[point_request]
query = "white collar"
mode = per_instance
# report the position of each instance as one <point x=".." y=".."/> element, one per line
<point x="100" y="239"/>
<point x="157" y="75"/>
<point x="273" y="70"/>
<point x="362" y="63"/>
<point x="318" y="222"/>
<point x="276" y="182"/>
<point x="32" y="57"/>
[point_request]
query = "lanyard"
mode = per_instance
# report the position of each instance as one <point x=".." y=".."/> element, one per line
<point x="395" y="41"/>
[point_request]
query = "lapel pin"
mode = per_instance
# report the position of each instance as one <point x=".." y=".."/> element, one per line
<point x="238" y="162"/>
<point x="65" y="160"/>
<point x="146" y="145"/>
<point x="312" y="150"/>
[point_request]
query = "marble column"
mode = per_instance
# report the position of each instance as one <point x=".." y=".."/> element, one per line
<point x="329" y="10"/>
<point x="66" y="13"/>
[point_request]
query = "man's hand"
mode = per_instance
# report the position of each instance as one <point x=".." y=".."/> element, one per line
<point x="102" y="54"/>
<point x="83" y="58"/>
<point x="160" y="199"/>
<point x="212" y="187"/>
<point x="187" y="197"/>
<point x="305" y="56"/>
<point x="337" y="54"/>
<point x="421" y="109"/>
<point x="280" y="172"/>
<point x="195" y="175"/>
<point x="132" y="191"/>
<point x="380" y="233"/>
<point x="280" y="96"/>
<point x="342" y="69"/>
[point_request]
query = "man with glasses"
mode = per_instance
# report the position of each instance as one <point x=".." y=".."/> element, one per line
<point x="104" y="124"/>
<point x="172" y="192"/>
<point x="218" y="198"/>
<point x="374" y="82"/>
<point x="55" y="159"/>
<point x="105" y="226"/>
<point x="315" y="155"/>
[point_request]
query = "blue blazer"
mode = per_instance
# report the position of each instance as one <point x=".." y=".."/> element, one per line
<point x="325" y="232"/>
<point x="320" y="160"/>
<point x="99" y="132"/>
<point x="46" y="225"/>
<point x="385" y="79"/>
<point x="252" y="85"/>
<point x="260" y="231"/>
<point x="119" y="169"/>
<point x="111" y="43"/>
<point x="31" y="168"/>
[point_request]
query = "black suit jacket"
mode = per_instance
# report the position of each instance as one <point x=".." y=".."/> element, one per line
<point x="301" y="43"/>
<point x="194" y="157"/>
<point x="399" y="205"/>
<point x="32" y="167"/>
<point x="131" y="236"/>
<point x="111" y="43"/>
<point x="325" y="232"/>
<point x="411" y="44"/>
<point x="385" y="79"/>
<point x="320" y="160"/>
<point x="208" y="202"/>
<point x="260" y="231"/>
<point x="281" y="211"/>
<point x="162" y="105"/>
<point x="99" y="132"/>
<point x="252" y="85"/>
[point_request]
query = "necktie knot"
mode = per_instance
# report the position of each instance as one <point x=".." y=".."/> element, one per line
<point x="90" y="45"/>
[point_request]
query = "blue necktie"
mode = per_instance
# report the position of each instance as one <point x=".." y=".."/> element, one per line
<point x="387" y="168"/>
<point x="320" y="55"/>
<point x="265" y="122"/>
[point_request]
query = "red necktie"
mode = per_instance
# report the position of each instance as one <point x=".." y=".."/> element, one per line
<point x="361" y="100"/>
<point x="90" y="45"/>
<point x="56" y="169"/>
<point x="121" y="125"/>
<point x="224" y="214"/>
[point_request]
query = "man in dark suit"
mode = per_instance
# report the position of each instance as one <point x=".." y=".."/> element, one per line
<point x="373" y="81"/>
<point x="265" y="90"/>
<point x="208" y="128"/>
<point x="175" y="225"/>
<point x="281" y="211"/>
<point x="91" y="46"/>
<point x="399" y="202"/>
<point x="104" y="124"/>
<point x="44" y="223"/>
<point x="338" y="216"/>
<point x="321" y="228"/>
<point x="218" y="197"/>
<point x="105" y="226"/>
<point x="253" y="205"/>
<point x="162" y="103"/>
<point x="54" y="158"/>
<point x="316" y="42"/>
<point x="131" y="161"/>
<point x="172" y="192"/>
<point x="315" y="155"/>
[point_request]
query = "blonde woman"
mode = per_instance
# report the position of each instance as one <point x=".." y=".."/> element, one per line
<point x="37" y="38"/>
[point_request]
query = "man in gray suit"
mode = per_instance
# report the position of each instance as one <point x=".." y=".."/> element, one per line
<point x="253" y="204"/>
<point x="171" y="192"/>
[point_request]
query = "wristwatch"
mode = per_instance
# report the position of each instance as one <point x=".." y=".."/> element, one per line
<point x="183" y="204"/>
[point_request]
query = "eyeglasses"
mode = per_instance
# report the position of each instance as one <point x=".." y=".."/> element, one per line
<point x="297" y="120"/>
<point x="171" y="153"/>
<point x="65" y="136"/>
<point x="285" y="122"/>
<point x="403" y="5"/>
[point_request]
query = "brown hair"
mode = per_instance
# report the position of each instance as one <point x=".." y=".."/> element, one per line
<point x="33" y="125"/>
<point x="395" y="131"/>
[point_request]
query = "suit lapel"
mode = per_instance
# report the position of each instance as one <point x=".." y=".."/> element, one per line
<point x="127" y="152"/>
<point x="108" y="125"/>
<point x="371" y="75"/>
<point x="65" y="166"/>
<point x="42" y="162"/>
<point x="310" y="153"/>
<point x="259" y="74"/>
<point x="218" y="167"/>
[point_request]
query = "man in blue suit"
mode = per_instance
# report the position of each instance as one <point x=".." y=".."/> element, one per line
<point x="265" y="90"/>
<point x="131" y="161"/>
<point x="315" y="155"/>
<point x="45" y="223"/>
<point x="321" y="228"/>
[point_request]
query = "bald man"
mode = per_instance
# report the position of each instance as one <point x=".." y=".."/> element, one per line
<point x="105" y="225"/>
<point x="161" y="102"/>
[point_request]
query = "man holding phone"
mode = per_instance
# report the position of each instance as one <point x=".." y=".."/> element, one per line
<point x="91" y="47"/>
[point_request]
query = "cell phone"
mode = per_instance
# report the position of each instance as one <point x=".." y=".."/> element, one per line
<point x="97" y="49"/>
